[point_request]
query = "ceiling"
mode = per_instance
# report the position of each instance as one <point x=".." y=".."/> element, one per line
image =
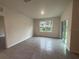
<point x="32" y="9"/>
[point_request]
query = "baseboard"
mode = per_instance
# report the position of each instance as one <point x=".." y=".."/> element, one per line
<point x="76" y="52"/>
<point x="19" y="41"/>
<point x="46" y="36"/>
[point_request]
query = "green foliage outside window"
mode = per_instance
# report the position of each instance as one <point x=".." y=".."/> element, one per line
<point x="46" y="26"/>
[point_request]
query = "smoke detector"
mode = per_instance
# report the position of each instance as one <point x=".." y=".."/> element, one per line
<point x="26" y="1"/>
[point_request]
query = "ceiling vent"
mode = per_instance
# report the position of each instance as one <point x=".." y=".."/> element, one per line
<point x="26" y="1"/>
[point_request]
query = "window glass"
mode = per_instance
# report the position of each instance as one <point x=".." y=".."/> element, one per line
<point x="46" y="25"/>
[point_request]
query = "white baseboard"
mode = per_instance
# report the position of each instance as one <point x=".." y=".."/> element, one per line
<point x="74" y="51"/>
<point x="19" y="41"/>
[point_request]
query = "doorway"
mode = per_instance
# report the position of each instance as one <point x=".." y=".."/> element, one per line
<point x="64" y="25"/>
<point x="2" y="34"/>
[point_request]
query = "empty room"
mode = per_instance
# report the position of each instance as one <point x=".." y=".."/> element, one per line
<point x="39" y="29"/>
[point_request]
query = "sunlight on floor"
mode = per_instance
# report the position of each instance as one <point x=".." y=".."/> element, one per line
<point x="46" y="45"/>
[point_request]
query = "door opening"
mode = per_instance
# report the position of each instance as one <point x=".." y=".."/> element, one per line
<point x="64" y="30"/>
<point x="2" y="34"/>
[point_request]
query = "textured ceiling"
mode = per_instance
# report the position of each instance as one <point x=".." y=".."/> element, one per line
<point x="52" y="8"/>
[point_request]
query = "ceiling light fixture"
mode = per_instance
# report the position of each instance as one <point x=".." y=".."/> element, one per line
<point x="42" y="12"/>
<point x="27" y="1"/>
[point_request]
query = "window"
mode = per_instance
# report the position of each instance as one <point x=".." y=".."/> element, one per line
<point x="46" y="25"/>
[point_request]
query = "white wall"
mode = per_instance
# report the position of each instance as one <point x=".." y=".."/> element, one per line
<point x="67" y="15"/>
<point x="18" y="27"/>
